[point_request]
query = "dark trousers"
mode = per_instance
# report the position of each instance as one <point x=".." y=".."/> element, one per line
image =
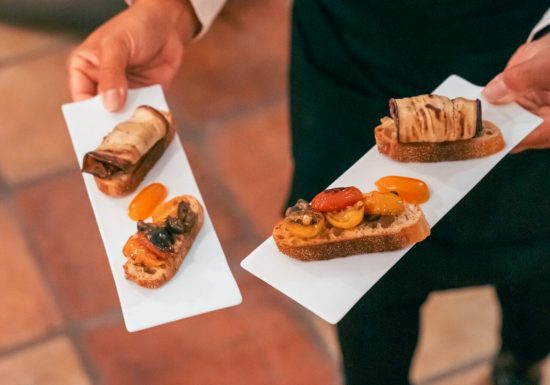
<point x="499" y="235"/>
<point x="379" y="335"/>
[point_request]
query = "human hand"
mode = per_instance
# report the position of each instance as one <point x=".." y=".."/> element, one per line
<point x="526" y="80"/>
<point x="140" y="46"/>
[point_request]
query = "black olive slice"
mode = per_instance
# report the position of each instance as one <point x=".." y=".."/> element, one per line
<point x="161" y="238"/>
<point x="373" y="217"/>
<point x="175" y="225"/>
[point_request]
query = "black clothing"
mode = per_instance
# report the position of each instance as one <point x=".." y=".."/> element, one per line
<point x="348" y="58"/>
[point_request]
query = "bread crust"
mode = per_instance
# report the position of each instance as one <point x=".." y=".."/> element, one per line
<point x="488" y="142"/>
<point x="384" y="240"/>
<point x="124" y="183"/>
<point x="153" y="277"/>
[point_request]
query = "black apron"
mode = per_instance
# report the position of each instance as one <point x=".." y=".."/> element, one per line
<point x="348" y="58"/>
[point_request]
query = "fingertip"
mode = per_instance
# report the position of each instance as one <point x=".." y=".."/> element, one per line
<point x="497" y="92"/>
<point x="114" y="99"/>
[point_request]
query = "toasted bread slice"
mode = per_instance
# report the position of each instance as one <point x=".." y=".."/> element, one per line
<point x="487" y="142"/>
<point x="155" y="276"/>
<point x="385" y="234"/>
<point x="123" y="183"/>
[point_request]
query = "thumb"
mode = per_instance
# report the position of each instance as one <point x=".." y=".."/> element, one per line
<point x="112" y="81"/>
<point x="517" y="80"/>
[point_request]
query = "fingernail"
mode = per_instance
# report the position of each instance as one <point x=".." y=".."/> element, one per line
<point x="112" y="99"/>
<point x="496" y="90"/>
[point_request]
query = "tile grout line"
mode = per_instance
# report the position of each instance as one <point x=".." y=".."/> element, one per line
<point x="457" y="370"/>
<point x="67" y="327"/>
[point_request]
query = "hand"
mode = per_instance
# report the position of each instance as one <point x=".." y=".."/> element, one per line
<point x="142" y="45"/>
<point x="526" y="80"/>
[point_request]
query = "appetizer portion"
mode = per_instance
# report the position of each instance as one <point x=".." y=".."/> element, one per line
<point x="343" y="221"/>
<point x="129" y="151"/>
<point x="155" y="253"/>
<point x="433" y="128"/>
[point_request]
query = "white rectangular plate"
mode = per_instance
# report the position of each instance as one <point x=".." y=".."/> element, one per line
<point x="204" y="281"/>
<point x="331" y="288"/>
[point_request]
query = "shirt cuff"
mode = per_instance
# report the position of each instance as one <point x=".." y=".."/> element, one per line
<point x="543" y="23"/>
<point x="206" y="11"/>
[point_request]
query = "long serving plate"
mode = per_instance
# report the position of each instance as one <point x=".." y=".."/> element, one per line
<point x="203" y="282"/>
<point x="331" y="288"/>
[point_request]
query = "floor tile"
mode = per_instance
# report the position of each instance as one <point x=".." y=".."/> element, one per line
<point x="232" y="225"/>
<point x="28" y="308"/>
<point x="252" y="154"/>
<point x="54" y="362"/>
<point x="17" y="42"/>
<point x="459" y="326"/>
<point x="240" y="62"/>
<point x="259" y="342"/>
<point x="34" y="140"/>
<point x="61" y="222"/>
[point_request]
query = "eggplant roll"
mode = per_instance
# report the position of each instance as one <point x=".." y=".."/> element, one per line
<point x="123" y="148"/>
<point x="433" y="118"/>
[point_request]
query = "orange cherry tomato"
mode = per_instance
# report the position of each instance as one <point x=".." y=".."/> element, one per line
<point x="410" y="189"/>
<point x="146" y="201"/>
<point x="336" y="199"/>
<point x="381" y="203"/>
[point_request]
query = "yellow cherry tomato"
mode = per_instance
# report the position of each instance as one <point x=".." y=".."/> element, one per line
<point x="166" y="209"/>
<point x="347" y="218"/>
<point x="305" y="225"/>
<point x="383" y="203"/>
<point x="146" y="200"/>
<point x="410" y="189"/>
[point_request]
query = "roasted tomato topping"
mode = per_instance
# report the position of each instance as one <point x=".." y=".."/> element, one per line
<point x="301" y="221"/>
<point x="347" y="218"/>
<point x="410" y="189"/>
<point x="335" y="199"/>
<point x="380" y="203"/>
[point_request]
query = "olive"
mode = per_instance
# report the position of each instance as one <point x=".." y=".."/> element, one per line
<point x="144" y="227"/>
<point x="175" y="225"/>
<point x="161" y="238"/>
<point x="373" y="217"/>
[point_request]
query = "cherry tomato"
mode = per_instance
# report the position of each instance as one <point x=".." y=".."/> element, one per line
<point x="146" y="200"/>
<point x="142" y="252"/>
<point x="166" y="209"/>
<point x="347" y="218"/>
<point x="305" y="224"/>
<point x="335" y="199"/>
<point x="382" y="203"/>
<point x="410" y="189"/>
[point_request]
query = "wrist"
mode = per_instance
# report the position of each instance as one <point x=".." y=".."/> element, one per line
<point x="177" y="13"/>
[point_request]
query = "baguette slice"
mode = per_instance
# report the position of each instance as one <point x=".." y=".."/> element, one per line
<point x="123" y="183"/>
<point x="369" y="237"/>
<point x="153" y="277"/>
<point x="487" y="142"/>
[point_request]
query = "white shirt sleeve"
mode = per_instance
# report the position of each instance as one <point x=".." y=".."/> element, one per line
<point x="543" y="23"/>
<point x="206" y="11"/>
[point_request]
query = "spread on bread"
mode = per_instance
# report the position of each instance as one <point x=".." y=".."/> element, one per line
<point x="155" y="252"/>
<point x="344" y="221"/>
<point x="145" y="202"/>
<point x="126" y="154"/>
<point x="433" y="128"/>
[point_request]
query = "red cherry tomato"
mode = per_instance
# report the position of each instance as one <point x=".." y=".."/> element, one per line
<point x="336" y="199"/>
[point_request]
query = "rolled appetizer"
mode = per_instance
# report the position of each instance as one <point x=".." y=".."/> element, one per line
<point x="433" y="128"/>
<point x="129" y="151"/>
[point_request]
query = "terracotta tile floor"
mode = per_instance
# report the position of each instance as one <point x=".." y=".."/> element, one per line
<point x="60" y="321"/>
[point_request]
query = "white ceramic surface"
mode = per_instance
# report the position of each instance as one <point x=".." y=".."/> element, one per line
<point x="331" y="288"/>
<point x="204" y="281"/>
